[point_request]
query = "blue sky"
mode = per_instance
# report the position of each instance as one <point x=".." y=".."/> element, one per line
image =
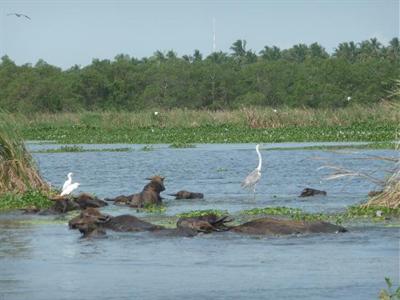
<point x="65" y="33"/>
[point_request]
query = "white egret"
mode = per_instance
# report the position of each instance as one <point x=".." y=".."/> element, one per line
<point x="252" y="179"/>
<point x="69" y="189"/>
<point x="67" y="182"/>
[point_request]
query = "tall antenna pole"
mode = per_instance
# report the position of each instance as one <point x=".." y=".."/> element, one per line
<point x="214" y="42"/>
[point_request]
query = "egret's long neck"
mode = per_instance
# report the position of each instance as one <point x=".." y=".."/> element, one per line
<point x="70" y="177"/>
<point x="259" y="159"/>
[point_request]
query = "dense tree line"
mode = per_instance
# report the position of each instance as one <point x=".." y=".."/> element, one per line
<point x="304" y="75"/>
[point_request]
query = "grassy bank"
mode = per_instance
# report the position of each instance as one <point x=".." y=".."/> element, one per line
<point x="21" y="185"/>
<point x="357" y="123"/>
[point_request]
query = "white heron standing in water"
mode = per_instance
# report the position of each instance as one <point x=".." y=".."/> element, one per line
<point x="254" y="177"/>
<point x="68" y="181"/>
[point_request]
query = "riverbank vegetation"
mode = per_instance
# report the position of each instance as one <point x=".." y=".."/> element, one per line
<point x="301" y="76"/>
<point x="18" y="172"/>
<point x="374" y="123"/>
<point x="21" y="185"/>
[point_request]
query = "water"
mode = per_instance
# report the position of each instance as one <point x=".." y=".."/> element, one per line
<point x="39" y="260"/>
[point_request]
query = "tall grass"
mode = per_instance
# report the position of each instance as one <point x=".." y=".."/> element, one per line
<point x="254" y="117"/>
<point x="18" y="173"/>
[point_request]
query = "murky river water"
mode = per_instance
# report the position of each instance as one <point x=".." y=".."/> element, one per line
<point x="41" y="259"/>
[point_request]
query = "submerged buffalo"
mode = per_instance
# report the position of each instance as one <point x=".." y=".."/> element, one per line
<point x="272" y="226"/>
<point x="91" y="222"/>
<point x="64" y="204"/>
<point x="206" y="224"/>
<point x="150" y="195"/>
<point x="187" y="195"/>
<point x="307" y="192"/>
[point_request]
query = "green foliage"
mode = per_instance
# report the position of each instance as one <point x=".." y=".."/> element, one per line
<point x="213" y="134"/>
<point x="30" y="198"/>
<point x="389" y="294"/>
<point x="200" y="213"/>
<point x="304" y="75"/>
<point x="152" y="208"/>
<point x="376" y="212"/>
<point x="374" y="145"/>
<point x="292" y="213"/>
<point x="275" y="211"/>
<point x="76" y="148"/>
<point x="73" y="148"/>
<point x="351" y="213"/>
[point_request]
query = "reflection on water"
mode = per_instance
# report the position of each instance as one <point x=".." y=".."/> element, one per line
<point x="43" y="261"/>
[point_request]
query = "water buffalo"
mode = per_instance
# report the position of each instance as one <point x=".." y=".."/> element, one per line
<point x="91" y="221"/>
<point x="65" y="204"/>
<point x="149" y="195"/>
<point x="307" y="192"/>
<point x="187" y="195"/>
<point x="86" y="200"/>
<point x="208" y="223"/>
<point x="272" y="226"/>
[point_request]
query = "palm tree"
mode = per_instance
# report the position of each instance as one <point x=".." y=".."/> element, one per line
<point x="348" y="51"/>
<point x="197" y="56"/>
<point x="271" y="53"/>
<point x="317" y="51"/>
<point x="239" y="48"/>
<point x="393" y="50"/>
<point x="297" y="53"/>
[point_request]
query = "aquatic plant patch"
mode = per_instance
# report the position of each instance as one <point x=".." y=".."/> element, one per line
<point x="200" y="213"/>
<point x="81" y="134"/>
<point x="75" y="148"/>
<point x="181" y="145"/>
<point x="30" y="199"/>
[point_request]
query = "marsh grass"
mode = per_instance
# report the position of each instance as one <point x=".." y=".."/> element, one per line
<point x="76" y="148"/>
<point x="253" y="117"/>
<point x="390" y="197"/>
<point x="18" y="172"/>
<point x="182" y="126"/>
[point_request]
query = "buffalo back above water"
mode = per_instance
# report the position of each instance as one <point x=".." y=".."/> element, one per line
<point x="272" y="226"/>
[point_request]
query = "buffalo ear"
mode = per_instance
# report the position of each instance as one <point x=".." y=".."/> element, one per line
<point x="149" y="178"/>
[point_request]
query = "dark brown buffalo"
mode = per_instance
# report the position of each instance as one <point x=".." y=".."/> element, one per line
<point x="150" y="194"/>
<point x="66" y="204"/>
<point x="86" y="200"/>
<point x="187" y="195"/>
<point x="208" y="223"/>
<point x="272" y="226"/>
<point x="307" y="192"/>
<point x="91" y="221"/>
